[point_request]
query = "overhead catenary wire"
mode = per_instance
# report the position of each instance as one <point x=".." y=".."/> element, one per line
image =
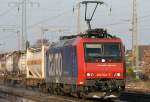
<point x="116" y="23"/>
<point x="42" y="21"/>
<point x="52" y="17"/>
<point x="6" y="37"/>
<point x="7" y="11"/>
<point x="142" y="19"/>
<point x="66" y="12"/>
<point x="47" y="19"/>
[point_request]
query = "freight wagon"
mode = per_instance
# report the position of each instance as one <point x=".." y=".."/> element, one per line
<point x="2" y="65"/>
<point x="35" y="66"/>
<point x="25" y="68"/>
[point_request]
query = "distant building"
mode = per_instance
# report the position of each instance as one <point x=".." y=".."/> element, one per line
<point x="129" y="57"/>
<point x="143" y="49"/>
<point x="144" y="55"/>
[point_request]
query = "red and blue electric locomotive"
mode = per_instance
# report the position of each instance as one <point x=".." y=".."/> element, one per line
<point x="87" y="64"/>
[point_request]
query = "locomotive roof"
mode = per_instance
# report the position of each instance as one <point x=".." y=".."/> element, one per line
<point x="97" y="33"/>
<point x="94" y="33"/>
<point x="64" y="42"/>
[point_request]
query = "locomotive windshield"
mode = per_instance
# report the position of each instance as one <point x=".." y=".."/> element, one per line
<point x="95" y="51"/>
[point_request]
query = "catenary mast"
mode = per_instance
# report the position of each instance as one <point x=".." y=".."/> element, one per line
<point x="135" y="33"/>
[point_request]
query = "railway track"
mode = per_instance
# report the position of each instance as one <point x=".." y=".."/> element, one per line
<point x="4" y="100"/>
<point x="19" y="94"/>
<point x="34" y="96"/>
<point x="10" y="94"/>
<point x="134" y="96"/>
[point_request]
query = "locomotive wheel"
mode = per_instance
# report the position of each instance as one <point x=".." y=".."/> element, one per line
<point x="43" y="88"/>
<point x="81" y="95"/>
<point x="50" y="91"/>
<point x="60" y="91"/>
<point x="53" y="89"/>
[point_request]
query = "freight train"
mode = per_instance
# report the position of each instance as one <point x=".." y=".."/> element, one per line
<point x="25" y="68"/>
<point x="83" y="65"/>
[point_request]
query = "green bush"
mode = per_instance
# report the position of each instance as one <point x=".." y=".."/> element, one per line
<point x="130" y="71"/>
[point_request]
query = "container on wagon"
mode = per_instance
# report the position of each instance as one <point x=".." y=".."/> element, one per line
<point x="35" y="61"/>
<point x="12" y="60"/>
<point x="22" y="63"/>
<point x="2" y="63"/>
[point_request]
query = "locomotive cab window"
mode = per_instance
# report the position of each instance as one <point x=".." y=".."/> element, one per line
<point x="111" y="50"/>
<point x="93" y="50"/>
<point x="97" y="51"/>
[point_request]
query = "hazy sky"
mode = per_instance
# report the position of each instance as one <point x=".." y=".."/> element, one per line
<point x="58" y="14"/>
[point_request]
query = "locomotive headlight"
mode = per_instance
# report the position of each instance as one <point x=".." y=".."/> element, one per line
<point x="118" y="74"/>
<point x="103" y="60"/>
<point x="88" y="74"/>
